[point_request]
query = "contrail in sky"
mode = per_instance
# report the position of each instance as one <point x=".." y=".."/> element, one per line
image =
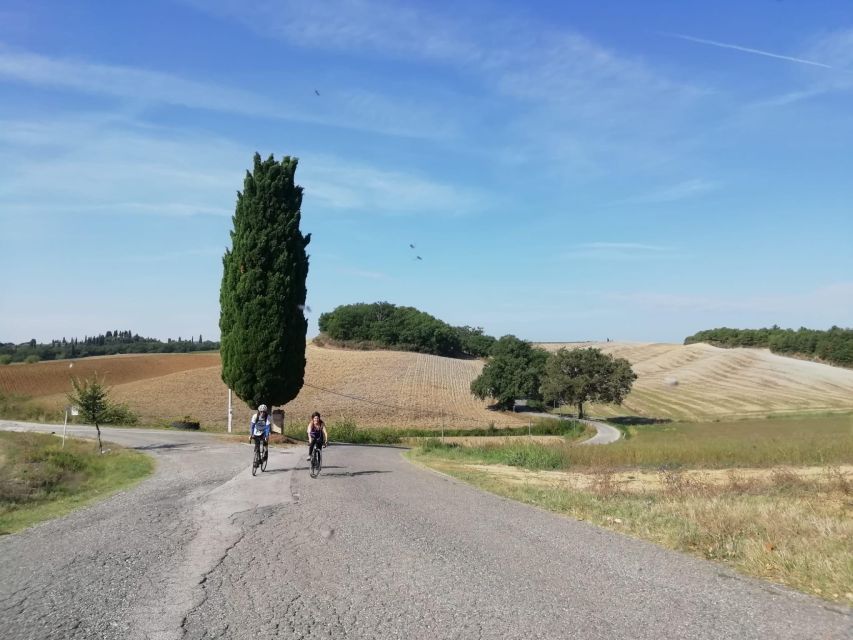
<point x="758" y="52"/>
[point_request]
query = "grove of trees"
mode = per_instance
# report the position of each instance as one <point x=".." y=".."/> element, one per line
<point x="104" y="344"/>
<point x="834" y="346"/>
<point x="384" y="325"/>
<point x="263" y="291"/>
<point x="516" y="369"/>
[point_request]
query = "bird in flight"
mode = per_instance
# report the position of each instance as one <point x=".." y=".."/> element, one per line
<point x="418" y="257"/>
<point x="316" y="92"/>
<point x="411" y="246"/>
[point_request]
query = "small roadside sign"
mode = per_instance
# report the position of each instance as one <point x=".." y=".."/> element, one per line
<point x="75" y="411"/>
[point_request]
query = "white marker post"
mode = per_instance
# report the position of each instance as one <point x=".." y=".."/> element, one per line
<point x="74" y="411"/>
<point x="230" y="411"/>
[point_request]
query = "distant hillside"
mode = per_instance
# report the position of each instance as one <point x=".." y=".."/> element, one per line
<point x="834" y="346"/>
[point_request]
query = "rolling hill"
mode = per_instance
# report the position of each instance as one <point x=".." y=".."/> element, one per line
<point x="388" y="388"/>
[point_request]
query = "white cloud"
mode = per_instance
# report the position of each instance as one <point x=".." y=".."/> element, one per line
<point x="353" y="109"/>
<point x="832" y="301"/>
<point x="563" y="100"/>
<point x="99" y="165"/>
<point x="111" y="166"/>
<point x="672" y="193"/>
<point x="835" y="47"/>
<point x="618" y="251"/>
<point x="361" y="273"/>
<point x="627" y="246"/>
<point x="342" y="185"/>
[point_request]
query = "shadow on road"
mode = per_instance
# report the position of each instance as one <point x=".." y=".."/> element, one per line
<point x="636" y="420"/>
<point x="150" y="447"/>
<point x="299" y="469"/>
<point x="351" y="474"/>
<point x="365" y="444"/>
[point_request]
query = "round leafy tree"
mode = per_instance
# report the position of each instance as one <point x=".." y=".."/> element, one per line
<point x="262" y="297"/>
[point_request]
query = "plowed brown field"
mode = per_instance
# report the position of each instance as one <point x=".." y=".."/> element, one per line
<point x="46" y="378"/>
<point x="386" y="388"/>
<point x="389" y="388"/>
<point x="698" y="382"/>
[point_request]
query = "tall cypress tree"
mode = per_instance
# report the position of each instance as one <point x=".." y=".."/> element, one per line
<point x="262" y="296"/>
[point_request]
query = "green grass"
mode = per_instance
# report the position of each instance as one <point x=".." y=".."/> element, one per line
<point x="40" y="480"/>
<point x="16" y="407"/>
<point x="349" y="431"/>
<point x="825" y="440"/>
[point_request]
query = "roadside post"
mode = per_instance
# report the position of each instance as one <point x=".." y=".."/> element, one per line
<point x="529" y="423"/>
<point x="73" y="411"/>
<point x="230" y="411"/>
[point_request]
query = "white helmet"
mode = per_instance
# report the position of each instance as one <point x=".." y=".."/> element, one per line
<point x="262" y="408"/>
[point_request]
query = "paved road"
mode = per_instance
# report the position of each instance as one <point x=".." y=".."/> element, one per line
<point x="373" y="548"/>
<point x="604" y="433"/>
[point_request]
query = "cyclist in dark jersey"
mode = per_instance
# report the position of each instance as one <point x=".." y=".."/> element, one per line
<point x="317" y="434"/>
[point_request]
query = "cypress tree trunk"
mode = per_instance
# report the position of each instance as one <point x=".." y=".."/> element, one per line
<point x="263" y="291"/>
<point x="580" y="410"/>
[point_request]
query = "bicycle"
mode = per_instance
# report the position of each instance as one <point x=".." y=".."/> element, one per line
<point x="316" y="461"/>
<point x="261" y="455"/>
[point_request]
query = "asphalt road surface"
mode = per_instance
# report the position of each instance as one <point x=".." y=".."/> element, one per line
<point x="373" y="548"/>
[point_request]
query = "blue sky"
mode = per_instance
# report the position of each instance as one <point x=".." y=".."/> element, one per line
<point x="632" y="170"/>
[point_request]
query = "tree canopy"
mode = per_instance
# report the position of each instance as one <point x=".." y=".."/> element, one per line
<point x="263" y="290"/>
<point x="834" y="346"/>
<point x="576" y="376"/>
<point x="513" y="370"/>
<point x="385" y="325"/>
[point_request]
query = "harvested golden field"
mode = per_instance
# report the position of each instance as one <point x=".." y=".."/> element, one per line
<point x="405" y="389"/>
<point x="52" y="377"/>
<point x="700" y="382"/>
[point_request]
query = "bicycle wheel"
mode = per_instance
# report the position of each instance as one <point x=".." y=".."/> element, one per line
<point x="256" y="460"/>
<point x="265" y="458"/>
<point x="315" y="463"/>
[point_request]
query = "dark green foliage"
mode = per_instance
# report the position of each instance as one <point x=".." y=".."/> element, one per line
<point x="575" y="376"/>
<point x="111" y="343"/>
<point x="384" y="325"/>
<point x="263" y="288"/>
<point x="474" y="341"/>
<point x="513" y="371"/>
<point x="834" y="346"/>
